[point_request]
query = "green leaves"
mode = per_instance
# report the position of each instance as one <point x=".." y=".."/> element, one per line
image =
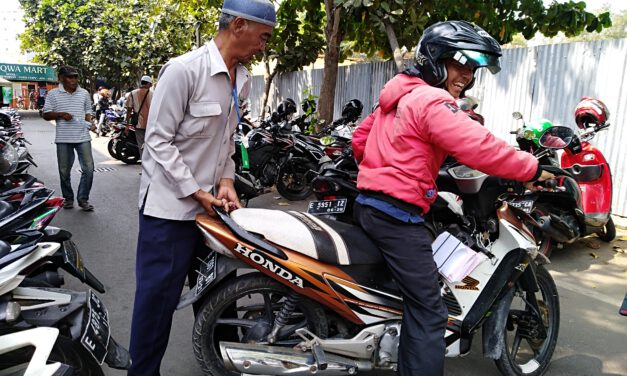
<point x="108" y="39"/>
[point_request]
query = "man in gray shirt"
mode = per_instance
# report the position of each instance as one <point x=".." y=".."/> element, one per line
<point x="187" y="167"/>
<point x="70" y="106"/>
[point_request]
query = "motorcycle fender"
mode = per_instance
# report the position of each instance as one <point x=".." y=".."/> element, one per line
<point x="497" y="286"/>
<point x="494" y="327"/>
<point x="224" y="267"/>
<point x="71" y="313"/>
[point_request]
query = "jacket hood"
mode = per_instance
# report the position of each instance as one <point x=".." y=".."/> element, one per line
<point x="395" y="89"/>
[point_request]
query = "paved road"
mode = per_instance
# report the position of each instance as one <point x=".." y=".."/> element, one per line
<point x="591" y="282"/>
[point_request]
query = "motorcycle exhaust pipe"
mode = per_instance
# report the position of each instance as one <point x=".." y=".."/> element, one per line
<point x="547" y="227"/>
<point x="273" y="360"/>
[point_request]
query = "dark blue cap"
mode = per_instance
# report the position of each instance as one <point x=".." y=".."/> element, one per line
<point x="261" y="11"/>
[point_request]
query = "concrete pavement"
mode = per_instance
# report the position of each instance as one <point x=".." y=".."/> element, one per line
<point x="591" y="275"/>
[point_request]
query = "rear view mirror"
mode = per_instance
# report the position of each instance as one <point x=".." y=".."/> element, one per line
<point x="517" y="115"/>
<point x="556" y="137"/>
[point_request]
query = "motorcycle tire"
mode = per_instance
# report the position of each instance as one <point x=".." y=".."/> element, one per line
<point x="609" y="231"/>
<point x="292" y="182"/>
<point x="129" y="157"/>
<point x="535" y="358"/>
<point x="245" y="293"/>
<point x="111" y="148"/>
<point x="64" y="351"/>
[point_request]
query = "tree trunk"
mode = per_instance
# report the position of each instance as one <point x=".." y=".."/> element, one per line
<point x="331" y="60"/>
<point x="398" y="57"/>
<point x="266" y="91"/>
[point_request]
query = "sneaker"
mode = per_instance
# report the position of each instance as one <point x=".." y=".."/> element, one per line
<point x="68" y="204"/>
<point x="86" y="206"/>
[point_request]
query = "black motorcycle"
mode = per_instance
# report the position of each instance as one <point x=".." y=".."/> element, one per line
<point x="123" y="144"/>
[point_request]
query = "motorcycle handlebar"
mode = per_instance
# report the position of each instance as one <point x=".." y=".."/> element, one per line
<point x="549" y="183"/>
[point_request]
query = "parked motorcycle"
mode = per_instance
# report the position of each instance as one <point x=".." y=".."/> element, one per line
<point x="320" y="302"/>
<point x="82" y="319"/>
<point x="580" y="204"/>
<point x="31" y="297"/>
<point x="40" y="343"/>
<point x="123" y="144"/>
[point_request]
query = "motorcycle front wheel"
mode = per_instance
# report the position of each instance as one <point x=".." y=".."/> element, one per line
<point x="609" y="231"/>
<point x="111" y="148"/>
<point x="292" y="182"/>
<point x="526" y="353"/>
<point x="243" y="310"/>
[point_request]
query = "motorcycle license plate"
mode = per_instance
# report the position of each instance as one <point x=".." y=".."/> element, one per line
<point x="73" y="259"/>
<point x="327" y="206"/>
<point x="525" y="205"/>
<point x="97" y="333"/>
<point x="206" y="274"/>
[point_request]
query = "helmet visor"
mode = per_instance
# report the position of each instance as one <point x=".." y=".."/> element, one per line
<point x="476" y="59"/>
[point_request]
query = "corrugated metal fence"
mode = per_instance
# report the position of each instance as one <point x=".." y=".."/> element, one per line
<point x="545" y="81"/>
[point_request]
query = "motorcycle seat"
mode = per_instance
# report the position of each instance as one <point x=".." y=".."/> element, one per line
<point x="328" y="241"/>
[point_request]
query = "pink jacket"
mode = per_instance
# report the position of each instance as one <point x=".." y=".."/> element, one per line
<point x="402" y="145"/>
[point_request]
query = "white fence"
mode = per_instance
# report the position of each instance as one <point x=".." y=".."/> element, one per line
<point x="545" y="81"/>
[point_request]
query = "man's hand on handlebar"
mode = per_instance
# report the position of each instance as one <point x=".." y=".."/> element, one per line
<point x="534" y="186"/>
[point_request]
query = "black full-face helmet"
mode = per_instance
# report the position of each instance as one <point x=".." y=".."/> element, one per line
<point x="286" y="107"/>
<point x="469" y="44"/>
<point x="352" y="110"/>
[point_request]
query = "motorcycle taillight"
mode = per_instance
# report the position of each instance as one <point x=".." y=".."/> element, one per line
<point x="56" y="202"/>
<point x="320" y="186"/>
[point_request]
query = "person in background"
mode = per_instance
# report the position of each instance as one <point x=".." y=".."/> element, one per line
<point x="124" y="98"/>
<point x="401" y="147"/>
<point x="32" y="100"/>
<point x="139" y="103"/>
<point x="70" y="106"/>
<point x="187" y="167"/>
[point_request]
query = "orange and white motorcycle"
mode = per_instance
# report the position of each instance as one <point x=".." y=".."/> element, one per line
<point x="287" y="293"/>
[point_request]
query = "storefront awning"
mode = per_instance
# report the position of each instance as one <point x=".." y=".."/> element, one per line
<point x="27" y="72"/>
<point x="4" y="82"/>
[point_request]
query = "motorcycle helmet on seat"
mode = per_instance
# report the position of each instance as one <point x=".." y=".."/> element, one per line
<point x="591" y="111"/>
<point x="286" y="107"/>
<point x="462" y="41"/>
<point x="352" y="110"/>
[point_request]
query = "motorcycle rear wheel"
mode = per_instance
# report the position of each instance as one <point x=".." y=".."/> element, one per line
<point x="292" y="182"/>
<point x="257" y="299"/>
<point x="64" y="351"/>
<point x="535" y="356"/>
<point x="609" y="231"/>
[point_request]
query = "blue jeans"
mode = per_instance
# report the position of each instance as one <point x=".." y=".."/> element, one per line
<point x="65" y="159"/>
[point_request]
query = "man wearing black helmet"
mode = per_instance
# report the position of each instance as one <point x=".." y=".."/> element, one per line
<point x="401" y="147"/>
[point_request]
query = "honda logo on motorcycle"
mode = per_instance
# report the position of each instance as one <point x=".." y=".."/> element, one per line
<point x="469" y="283"/>
<point x="275" y="268"/>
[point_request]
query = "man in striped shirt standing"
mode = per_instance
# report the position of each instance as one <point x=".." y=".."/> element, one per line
<point x="70" y="106"/>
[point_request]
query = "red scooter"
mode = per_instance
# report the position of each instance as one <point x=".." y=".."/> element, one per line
<point x="592" y="172"/>
<point x="581" y="202"/>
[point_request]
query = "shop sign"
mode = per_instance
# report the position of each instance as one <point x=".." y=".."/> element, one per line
<point x="27" y="72"/>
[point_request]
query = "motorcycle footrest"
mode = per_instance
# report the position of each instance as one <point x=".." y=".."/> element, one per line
<point x="319" y="356"/>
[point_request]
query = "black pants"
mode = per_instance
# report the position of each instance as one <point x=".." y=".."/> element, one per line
<point x="407" y="250"/>
<point x="166" y="252"/>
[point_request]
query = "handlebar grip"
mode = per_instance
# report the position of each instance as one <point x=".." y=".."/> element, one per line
<point x="550" y="183"/>
<point x="513" y="132"/>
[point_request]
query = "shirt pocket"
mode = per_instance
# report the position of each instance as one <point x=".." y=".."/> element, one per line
<point x="202" y="115"/>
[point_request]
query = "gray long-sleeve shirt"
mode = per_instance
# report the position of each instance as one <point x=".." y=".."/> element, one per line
<point x="189" y="134"/>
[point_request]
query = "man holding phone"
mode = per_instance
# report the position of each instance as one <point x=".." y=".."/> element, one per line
<point x="69" y="106"/>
